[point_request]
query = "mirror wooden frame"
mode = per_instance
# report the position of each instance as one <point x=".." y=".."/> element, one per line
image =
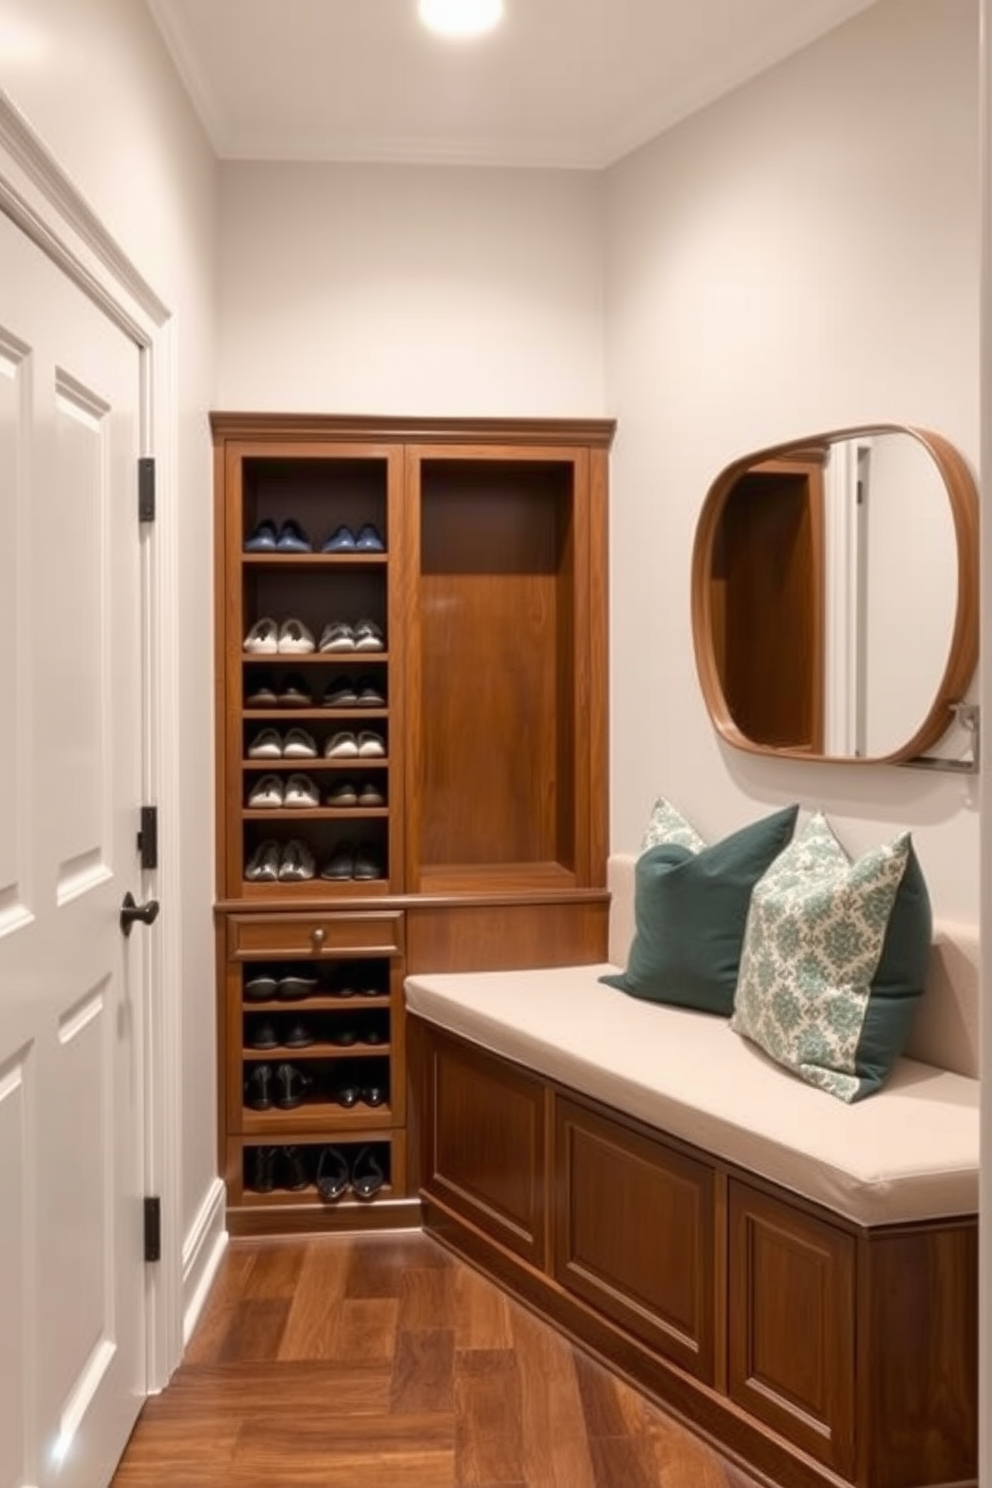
<point x="962" y="655"/>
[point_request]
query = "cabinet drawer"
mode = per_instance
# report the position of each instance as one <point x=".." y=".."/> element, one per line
<point x="371" y="933"/>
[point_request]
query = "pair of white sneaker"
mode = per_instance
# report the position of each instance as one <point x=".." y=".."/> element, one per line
<point x="345" y="744"/>
<point x="268" y="637"/>
<point x="270" y="744"/>
<point x="296" y="792"/>
<point x="290" y="862"/>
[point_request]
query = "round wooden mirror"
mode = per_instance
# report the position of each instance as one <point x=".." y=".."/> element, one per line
<point x="835" y="594"/>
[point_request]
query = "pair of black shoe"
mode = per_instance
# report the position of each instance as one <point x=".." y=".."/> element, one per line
<point x="363" y="1174"/>
<point x="349" y="1094"/>
<point x="282" y="1085"/>
<point x="263" y="1033"/>
<point x="277" y="1167"/>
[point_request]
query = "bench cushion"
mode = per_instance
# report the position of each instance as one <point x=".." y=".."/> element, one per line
<point x="909" y="1153"/>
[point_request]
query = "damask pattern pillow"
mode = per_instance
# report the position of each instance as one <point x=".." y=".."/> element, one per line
<point x="834" y="959"/>
<point x="690" y="913"/>
<point x="668" y="826"/>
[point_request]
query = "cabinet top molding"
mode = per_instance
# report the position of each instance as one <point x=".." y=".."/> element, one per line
<point x="413" y="429"/>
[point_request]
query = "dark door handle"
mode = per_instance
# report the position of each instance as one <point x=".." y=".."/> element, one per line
<point x="130" y="911"/>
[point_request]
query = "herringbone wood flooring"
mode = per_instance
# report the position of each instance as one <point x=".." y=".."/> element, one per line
<point x="380" y="1361"/>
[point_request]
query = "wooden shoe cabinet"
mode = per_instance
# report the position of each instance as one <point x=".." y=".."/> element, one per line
<point x="478" y="837"/>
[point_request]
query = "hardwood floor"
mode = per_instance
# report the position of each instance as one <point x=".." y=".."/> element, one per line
<point x="382" y="1361"/>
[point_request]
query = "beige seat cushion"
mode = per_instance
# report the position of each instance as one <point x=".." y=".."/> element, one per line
<point x="910" y="1152"/>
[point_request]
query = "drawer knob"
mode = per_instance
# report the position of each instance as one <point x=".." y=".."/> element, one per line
<point x="318" y="939"/>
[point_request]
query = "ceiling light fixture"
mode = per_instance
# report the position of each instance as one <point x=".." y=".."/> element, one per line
<point x="460" y="17"/>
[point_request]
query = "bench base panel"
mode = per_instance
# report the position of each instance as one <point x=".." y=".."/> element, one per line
<point x="813" y="1351"/>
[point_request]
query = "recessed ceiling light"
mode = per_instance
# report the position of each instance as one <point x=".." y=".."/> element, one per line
<point x="460" y="17"/>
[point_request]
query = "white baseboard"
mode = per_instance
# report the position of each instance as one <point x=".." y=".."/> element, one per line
<point x="203" y="1250"/>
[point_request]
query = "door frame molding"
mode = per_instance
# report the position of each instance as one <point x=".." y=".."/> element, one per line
<point x="41" y="199"/>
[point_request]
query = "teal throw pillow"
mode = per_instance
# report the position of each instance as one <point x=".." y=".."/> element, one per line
<point x="835" y="960"/>
<point x="690" y="914"/>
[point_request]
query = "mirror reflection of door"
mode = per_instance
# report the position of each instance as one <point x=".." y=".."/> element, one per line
<point x="767" y="595"/>
<point x="835" y="594"/>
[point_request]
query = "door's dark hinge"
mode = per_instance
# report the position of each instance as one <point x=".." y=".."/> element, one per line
<point x="148" y="837"/>
<point x="146" y="489"/>
<point x="153" y="1229"/>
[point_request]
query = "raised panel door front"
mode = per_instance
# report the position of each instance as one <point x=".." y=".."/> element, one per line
<point x="791" y="1323"/>
<point x="634" y="1233"/>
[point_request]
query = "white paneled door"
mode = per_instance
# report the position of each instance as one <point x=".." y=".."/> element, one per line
<point x="72" y="1363"/>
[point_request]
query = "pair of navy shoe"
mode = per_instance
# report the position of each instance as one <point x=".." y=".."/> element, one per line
<point x="368" y="539"/>
<point x="267" y="538"/>
<point x="290" y="537"/>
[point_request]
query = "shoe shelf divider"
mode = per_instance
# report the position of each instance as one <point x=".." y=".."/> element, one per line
<point x="489" y="840"/>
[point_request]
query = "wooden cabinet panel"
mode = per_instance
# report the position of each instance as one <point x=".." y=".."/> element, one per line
<point x="791" y="1307"/>
<point x="507" y="937"/>
<point x="918" y="1355"/>
<point x="485" y="1149"/>
<point x="634" y="1233"/>
<point x="366" y="934"/>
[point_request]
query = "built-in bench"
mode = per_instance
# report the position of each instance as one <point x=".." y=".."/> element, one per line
<point x="796" y="1276"/>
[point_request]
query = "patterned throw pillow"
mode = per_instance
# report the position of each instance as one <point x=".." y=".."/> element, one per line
<point x="668" y="826"/>
<point x="690" y="913"/>
<point x="834" y="960"/>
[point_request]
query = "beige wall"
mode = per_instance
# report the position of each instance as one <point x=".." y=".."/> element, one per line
<point x="801" y="256"/>
<point x="382" y="289"/>
<point x="94" y="80"/>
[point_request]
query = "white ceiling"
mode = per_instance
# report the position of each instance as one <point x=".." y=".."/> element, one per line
<point x="560" y="83"/>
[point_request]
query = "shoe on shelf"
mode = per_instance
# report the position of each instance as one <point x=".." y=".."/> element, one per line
<point x="263" y="638"/>
<point x="299" y="1035"/>
<point x="298" y="744"/>
<point x="294" y="692"/>
<point x="292" y="539"/>
<point x="368" y="864"/>
<point x="263" y="865"/>
<point x="367" y="1174"/>
<point x="260" y="691"/>
<point x="262" y="538"/>
<point x="296" y="862"/>
<point x="368" y="636"/>
<point x="260" y="989"/>
<point x="371" y="745"/>
<point x="370" y="795"/>
<point x="342" y="745"/>
<point x="343" y="795"/>
<point x="333" y="1174"/>
<point x="294" y="988"/>
<point x="262" y="1169"/>
<point x="259" y="1087"/>
<point x="266" y="793"/>
<point x="291" y="1086"/>
<point x="371" y="1032"/>
<point x="337" y="635"/>
<point x="266" y="745"/>
<point x="341" y="865"/>
<point x="262" y="1034"/>
<point x="301" y="793"/>
<point x="296" y="1168"/>
<point x="339" y="694"/>
<point x="369" y="539"/>
<point x="341" y="540"/>
<point x="368" y="694"/>
<point x="294" y="638"/>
